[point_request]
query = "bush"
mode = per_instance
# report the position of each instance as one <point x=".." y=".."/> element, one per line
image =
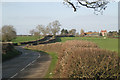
<point x="18" y="43"/>
<point x="87" y="63"/>
<point x="8" y="33"/>
<point x="9" y="52"/>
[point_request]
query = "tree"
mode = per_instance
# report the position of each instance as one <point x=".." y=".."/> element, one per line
<point x="113" y="33"/>
<point x="77" y="34"/>
<point x="100" y="34"/>
<point x="97" y="5"/>
<point x="119" y="32"/>
<point x="36" y="33"/>
<point x="44" y="30"/>
<point x="8" y="33"/>
<point x="48" y="30"/>
<point x="39" y="29"/>
<point x="64" y="31"/>
<point x="82" y="31"/>
<point x="54" y="27"/>
<point x="72" y="31"/>
<point x="32" y="32"/>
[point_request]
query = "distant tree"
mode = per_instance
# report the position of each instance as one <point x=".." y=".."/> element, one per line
<point x="64" y="31"/>
<point x="72" y="32"/>
<point x="82" y="31"/>
<point x="54" y="27"/>
<point x="36" y="33"/>
<point x="44" y="31"/>
<point x="48" y="30"/>
<point x="77" y="34"/>
<point x="119" y="32"/>
<point x="8" y="33"/>
<point x="0" y="36"/>
<point x="32" y="32"/>
<point x="100" y="34"/>
<point x="39" y="28"/>
<point x="112" y="33"/>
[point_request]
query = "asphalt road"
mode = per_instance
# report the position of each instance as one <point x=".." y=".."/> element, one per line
<point x="29" y="64"/>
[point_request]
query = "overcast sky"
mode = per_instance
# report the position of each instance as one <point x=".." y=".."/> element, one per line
<point x="25" y="16"/>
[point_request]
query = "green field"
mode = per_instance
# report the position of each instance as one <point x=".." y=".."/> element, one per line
<point x="108" y="43"/>
<point x="25" y="38"/>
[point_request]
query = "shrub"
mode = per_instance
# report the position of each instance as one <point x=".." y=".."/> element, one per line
<point x="87" y="63"/>
<point x="8" y="51"/>
<point x="19" y="43"/>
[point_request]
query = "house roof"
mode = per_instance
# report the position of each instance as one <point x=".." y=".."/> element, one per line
<point x="92" y="32"/>
<point x="103" y="30"/>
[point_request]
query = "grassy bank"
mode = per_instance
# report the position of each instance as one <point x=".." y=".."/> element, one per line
<point x="25" y="38"/>
<point x="52" y="65"/>
<point x="10" y="54"/>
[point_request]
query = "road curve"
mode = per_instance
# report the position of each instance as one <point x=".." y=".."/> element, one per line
<point x="29" y="64"/>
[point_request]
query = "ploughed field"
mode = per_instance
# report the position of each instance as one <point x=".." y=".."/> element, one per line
<point x="81" y="58"/>
<point x="104" y="43"/>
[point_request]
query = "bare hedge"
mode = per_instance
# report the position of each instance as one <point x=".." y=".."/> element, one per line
<point x="82" y="59"/>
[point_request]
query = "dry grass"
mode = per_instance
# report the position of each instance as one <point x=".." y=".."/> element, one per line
<point x="82" y="59"/>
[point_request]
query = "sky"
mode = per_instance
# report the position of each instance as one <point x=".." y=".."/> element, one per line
<point x="25" y="16"/>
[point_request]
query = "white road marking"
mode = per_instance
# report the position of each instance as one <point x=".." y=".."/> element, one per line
<point x="33" y="61"/>
<point x="22" y="69"/>
<point x="14" y="75"/>
<point x="26" y="66"/>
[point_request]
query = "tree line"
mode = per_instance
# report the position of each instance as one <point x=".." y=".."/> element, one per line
<point x="52" y="29"/>
<point x="8" y="32"/>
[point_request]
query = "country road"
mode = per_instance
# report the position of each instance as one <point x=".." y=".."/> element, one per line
<point x="29" y="64"/>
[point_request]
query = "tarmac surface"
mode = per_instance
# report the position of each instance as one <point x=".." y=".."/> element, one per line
<point x="29" y="64"/>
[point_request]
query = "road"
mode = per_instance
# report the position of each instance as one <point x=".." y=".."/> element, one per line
<point x="29" y="64"/>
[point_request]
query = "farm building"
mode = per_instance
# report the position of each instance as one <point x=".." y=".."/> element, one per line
<point x="104" y="32"/>
<point x="91" y="34"/>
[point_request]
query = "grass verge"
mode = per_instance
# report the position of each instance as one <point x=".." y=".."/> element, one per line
<point x="10" y="55"/>
<point x="52" y="66"/>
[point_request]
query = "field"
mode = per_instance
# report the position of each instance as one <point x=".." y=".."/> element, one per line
<point x="25" y="38"/>
<point x="108" y="43"/>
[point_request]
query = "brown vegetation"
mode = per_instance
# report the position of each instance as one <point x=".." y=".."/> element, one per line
<point x="8" y="51"/>
<point x="82" y="59"/>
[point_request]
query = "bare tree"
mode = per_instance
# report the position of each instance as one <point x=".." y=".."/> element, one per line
<point x="72" y="32"/>
<point x="32" y="32"/>
<point x="8" y="33"/>
<point x="48" y="30"/>
<point x="39" y="28"/>
<point x="81" y="31"/>
<point x="54" y="27"/>
<point x="97" y="5"/>
<point x="36" y="33"/>
<point x="44" y="31"/>
<point x="77" y="34"/>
